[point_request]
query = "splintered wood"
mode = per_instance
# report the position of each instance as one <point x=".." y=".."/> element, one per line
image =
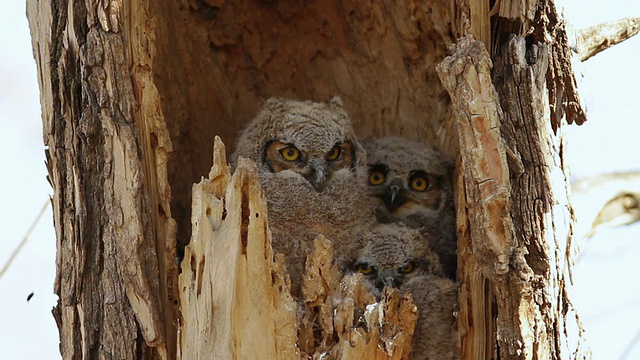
<point x="342" y="320"/>
<point x="231" y="286"/>
<point x="235" y="292"/>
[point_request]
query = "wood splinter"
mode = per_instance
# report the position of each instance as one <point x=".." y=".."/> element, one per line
<point x="235" y="292"/>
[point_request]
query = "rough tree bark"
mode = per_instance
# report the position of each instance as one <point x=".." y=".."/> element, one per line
<point x="133" y="94"/>
<point x="107" y="149"/>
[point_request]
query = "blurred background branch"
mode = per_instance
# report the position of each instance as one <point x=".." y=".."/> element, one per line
<point x="16" y="251"/>
<point x="606" y="201"/>
<point x="594" y="39"/>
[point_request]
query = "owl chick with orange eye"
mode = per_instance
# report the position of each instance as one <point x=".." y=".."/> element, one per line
<point x="316" y="167"/>
<point x="393" y="254"/>
<point x="312" y="171"/>
<point x="409" y="182"/>
<point x="397" y="256"/>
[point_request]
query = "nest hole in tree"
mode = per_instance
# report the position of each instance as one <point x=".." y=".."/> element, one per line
<point x="216" y="64"/>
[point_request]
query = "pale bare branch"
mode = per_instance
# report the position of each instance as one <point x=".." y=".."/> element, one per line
<point x="594" y="39"/>
<point x="18" y="248"/>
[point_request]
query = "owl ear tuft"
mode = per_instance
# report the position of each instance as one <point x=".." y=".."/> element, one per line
<point x="336" y="101"/>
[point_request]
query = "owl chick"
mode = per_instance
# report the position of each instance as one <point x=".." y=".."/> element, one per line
<point x="312" y="170"/>
<point x="394" y="255"/>
<point x="409" y="182"/>
<point x="436" y="298"/>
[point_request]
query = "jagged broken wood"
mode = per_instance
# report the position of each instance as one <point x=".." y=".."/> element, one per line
<point x="235" y="292"/>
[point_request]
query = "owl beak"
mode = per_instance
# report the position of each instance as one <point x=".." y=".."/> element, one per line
<point x="317" y="176"/>
<point x="386" y="277"/>
<point x="393" y="199"/>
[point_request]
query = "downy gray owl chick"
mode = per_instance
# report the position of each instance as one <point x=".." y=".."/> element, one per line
<point x="394" y="255"/>
<point x="312" y="170"/>
<point x="391" y="255"/>
<point x="435" y="336"/>
<point x="409" y="182"/>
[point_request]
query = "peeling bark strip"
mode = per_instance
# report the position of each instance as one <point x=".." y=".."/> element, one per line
<point x="111" y="282"/>
<point x="563" y="98"/>
<point x="235" y="293"/>
<point x="485" y="230"/>
<point x="539" y="21"/>
<point x="467" y="77"/>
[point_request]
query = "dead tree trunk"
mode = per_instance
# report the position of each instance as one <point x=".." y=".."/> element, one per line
<point x="133" y="94"/>
<point x="107" y="148"/>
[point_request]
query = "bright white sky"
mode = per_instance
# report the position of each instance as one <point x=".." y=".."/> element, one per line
<point x="606" y="279"/>
<point x="606" y="290"/>
<point x="28" y="330"/>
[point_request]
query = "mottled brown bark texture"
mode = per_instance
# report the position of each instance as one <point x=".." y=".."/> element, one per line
<point x="133" y="95"/>
<point x="106" y="155"/>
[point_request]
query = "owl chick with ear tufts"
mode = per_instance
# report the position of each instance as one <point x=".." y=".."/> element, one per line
<point x="397" y="256"/>
<point x="312" y="170"/>
<point x="409" y="182"/>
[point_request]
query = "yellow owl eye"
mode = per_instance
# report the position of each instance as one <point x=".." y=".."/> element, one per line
<point x="376" y="177"/>
<point x="364" y="268"/>
<point x="407" y="268"/>
<point x="334" y="153"/>
<point x="290" y="153"/>
<point x="419" y="183"/>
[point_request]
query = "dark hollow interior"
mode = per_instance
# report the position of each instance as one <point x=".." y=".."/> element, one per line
<point x="216" y="61"/>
